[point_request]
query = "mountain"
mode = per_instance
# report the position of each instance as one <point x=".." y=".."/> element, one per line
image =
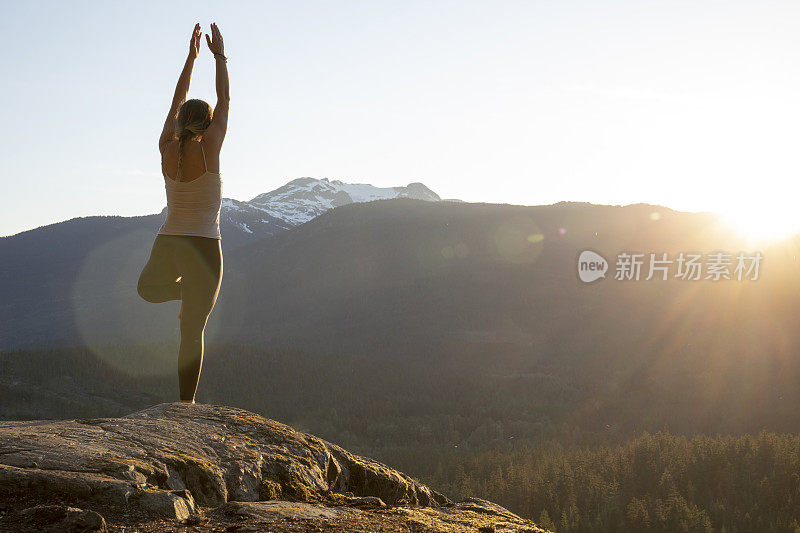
<point x="213" y="468"/>
<point x="301" y="200"/>
<point x="420" y="330"/>
<point x="403" y="277"/>
<point x="384" y="277"/>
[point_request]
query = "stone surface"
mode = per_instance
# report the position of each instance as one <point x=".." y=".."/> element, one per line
<point x="177" y="462"/>
<point x="172" y="504"/>
<point x="282" y="516"/>
<point x="59" y="518"/>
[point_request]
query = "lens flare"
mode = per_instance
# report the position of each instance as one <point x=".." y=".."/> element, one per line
<point x="519" y="240"/>
<point x="111" y="317"/>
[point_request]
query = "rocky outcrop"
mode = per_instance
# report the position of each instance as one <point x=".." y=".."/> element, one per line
<point x="207" y="465"/>
<point x="59" y="518"/>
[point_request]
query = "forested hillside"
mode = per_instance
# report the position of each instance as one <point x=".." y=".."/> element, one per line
<point x="467" y="429"/>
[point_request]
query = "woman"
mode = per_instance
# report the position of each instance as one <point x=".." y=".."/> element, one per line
<point x="186" y="260"/>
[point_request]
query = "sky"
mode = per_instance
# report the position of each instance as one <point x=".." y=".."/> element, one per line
<point x="688" y="104"/>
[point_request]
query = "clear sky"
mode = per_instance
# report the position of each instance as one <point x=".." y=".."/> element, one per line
<point x="689" y="104"/>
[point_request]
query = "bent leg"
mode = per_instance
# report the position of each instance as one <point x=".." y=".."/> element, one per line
<point x="158" y="281"/>
<point x="200" y="261"/>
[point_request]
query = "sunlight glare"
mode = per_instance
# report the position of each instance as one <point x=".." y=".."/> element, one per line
<point x="762" y="224"/>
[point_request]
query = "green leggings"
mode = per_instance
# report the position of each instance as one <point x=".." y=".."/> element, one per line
<point x="187" y="268"/>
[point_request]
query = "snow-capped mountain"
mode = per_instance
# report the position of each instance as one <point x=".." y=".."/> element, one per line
<point x="302" y="199"/>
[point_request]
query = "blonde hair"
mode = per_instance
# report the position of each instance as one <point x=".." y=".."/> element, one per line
<point x="194" y="117"/>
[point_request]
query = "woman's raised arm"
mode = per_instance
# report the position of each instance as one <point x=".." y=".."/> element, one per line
<point x="219" y="121"/>
<point x="181" y="89"/>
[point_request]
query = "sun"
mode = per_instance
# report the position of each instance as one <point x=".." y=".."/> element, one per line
<point x="764" y="224"/>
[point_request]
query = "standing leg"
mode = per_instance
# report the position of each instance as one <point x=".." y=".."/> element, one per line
<point x="158" y="281"/>
<point x="200" y="262"/>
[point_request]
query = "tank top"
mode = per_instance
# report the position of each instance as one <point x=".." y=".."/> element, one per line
<point x="193" y="206"/>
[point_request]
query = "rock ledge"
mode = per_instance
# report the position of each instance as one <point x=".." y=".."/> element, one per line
<point x="212" y="467"/>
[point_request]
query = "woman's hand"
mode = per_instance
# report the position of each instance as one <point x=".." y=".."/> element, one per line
<point x="194" y="42"/>
<point x="216" y="46"/>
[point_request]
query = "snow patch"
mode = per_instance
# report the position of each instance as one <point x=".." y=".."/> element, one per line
<point x="303" y="199"/>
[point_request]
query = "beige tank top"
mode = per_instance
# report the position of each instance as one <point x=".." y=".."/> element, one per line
<point x="193" y="206"/>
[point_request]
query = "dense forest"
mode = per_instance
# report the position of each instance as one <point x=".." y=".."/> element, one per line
<point x="524" y="440"/>
<point x="654" y="482"/>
